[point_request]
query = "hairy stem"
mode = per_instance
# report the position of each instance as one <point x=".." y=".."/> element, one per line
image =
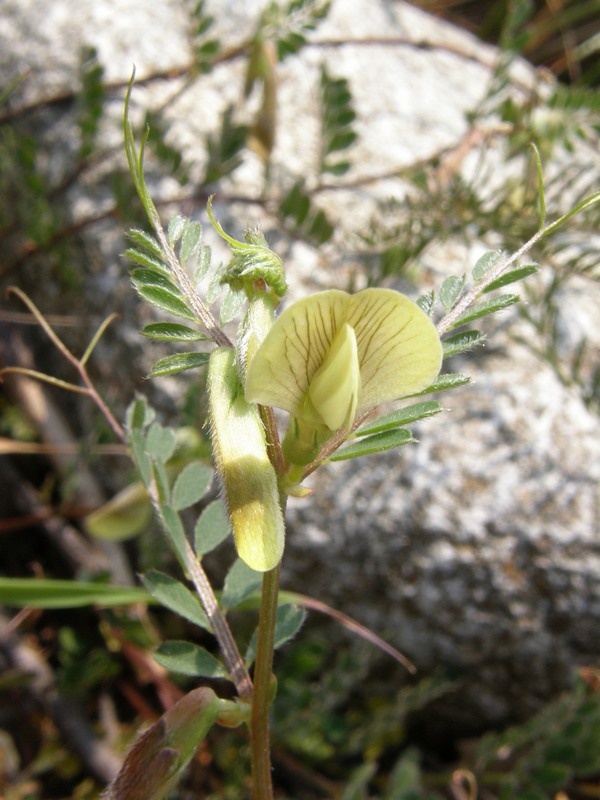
<point x="221" y="629"/>
<point x="260" y="751"/>
<point x="545" y="230"/>
<point x="229" y="649"/>
<point x="467" y="299"/>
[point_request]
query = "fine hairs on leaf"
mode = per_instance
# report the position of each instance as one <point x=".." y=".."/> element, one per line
<point x="189" y="659"/>
<point x="212" y="528"/>
<point x="403" y="416"/>
<point x="175" y="596"/>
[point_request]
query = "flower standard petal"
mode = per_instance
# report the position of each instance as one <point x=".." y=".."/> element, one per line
<point x="294" y="349"/>
<point x="399" y="349"/>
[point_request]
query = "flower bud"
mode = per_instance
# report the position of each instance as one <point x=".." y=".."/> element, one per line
<point x="253" y="330"/>
<point x="158" y="756"/>
<point x="247" y="476"/>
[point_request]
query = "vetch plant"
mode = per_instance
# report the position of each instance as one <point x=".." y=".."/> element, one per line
<point x="329" y="361"/>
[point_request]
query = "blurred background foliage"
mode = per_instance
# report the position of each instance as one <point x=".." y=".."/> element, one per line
<point x="93" y="664"/>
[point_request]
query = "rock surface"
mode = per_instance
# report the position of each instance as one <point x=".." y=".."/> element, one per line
<point x="477" y="549"/>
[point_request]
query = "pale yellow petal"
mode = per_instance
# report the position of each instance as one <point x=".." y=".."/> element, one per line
<point x="399" y="350"/>
<point x="335" y="387"/>
<point x="246" y="473"/>
<point x="295" y="348"/>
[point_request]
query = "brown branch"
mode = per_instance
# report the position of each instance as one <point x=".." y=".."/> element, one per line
<point x="55" y="432"/>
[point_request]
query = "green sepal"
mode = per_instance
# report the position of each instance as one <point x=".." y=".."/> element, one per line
<point x="303" y="441"/>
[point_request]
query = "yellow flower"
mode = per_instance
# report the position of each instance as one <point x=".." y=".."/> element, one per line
<point x="332" y="357"/>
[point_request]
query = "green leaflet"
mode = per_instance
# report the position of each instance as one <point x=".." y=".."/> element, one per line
<point x="374" y="444"/>
<point x="240" y="583"/>
<point x="165" y="300"/>
<point x="402" y="416"/>
<point x="190" y="485"/>
<point x="178" y="362"/>
<point x="173" y="332"/>
<point x="290" y="619"/>
<point x="212" y="528"/>
<point x="486" y="307"/>
<point x="461" y="342"/>
<point x="175" y="596"/>
<point x="189" y="659"/>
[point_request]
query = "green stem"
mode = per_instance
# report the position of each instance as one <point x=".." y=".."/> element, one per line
<point x="260" y="750"/>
